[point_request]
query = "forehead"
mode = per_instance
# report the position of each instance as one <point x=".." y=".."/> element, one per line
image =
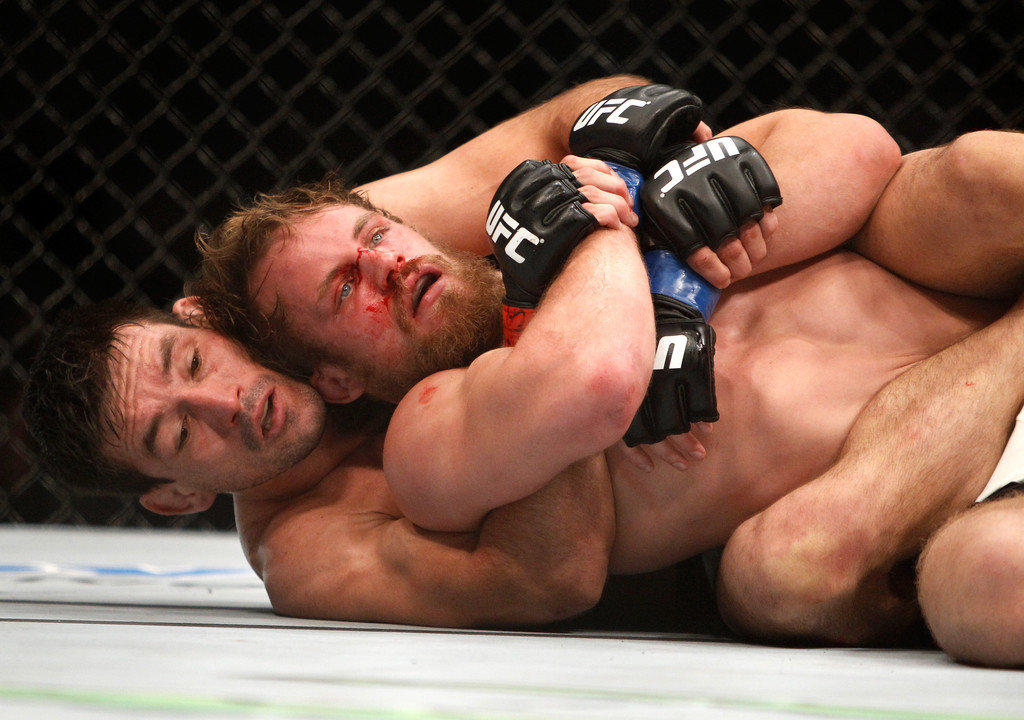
<point x="328" y="228"/>
<point x="144" y="350"/>
<point x="302" y="251"/>
<point x="137" y="350"/>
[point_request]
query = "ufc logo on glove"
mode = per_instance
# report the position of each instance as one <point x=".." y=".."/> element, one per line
<point x="612" y="107"/>
<point x="502" y="225"/>
<point x="700" y="157"/>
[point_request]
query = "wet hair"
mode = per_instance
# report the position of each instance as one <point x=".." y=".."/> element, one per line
<point x="69" y="406"/>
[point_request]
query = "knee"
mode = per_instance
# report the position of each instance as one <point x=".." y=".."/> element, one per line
<point x="983" y="165"/>
<point x="791" y="581"/>
<point x="971" y="587"/>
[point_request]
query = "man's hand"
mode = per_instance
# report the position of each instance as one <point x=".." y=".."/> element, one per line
<point x="682" y="385"/>
<point x="535" y="220"/>
<point x="682" y="388"/>
<point x="639" y="126"/>
<point x="603" y="186"/>
<point x="711" y="205"/>
<point x="679" y="451"/>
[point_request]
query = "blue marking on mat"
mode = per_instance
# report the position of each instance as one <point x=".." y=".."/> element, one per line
<point x="122" y="570"/>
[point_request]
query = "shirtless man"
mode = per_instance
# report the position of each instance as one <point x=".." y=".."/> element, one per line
<point x="341" y="567"/>
<point x="848" y="568"/>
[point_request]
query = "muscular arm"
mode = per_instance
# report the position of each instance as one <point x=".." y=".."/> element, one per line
<point x="448" y="198"/>
<point x="465" y="441"/>
<point x="831" y="168"/>
<point x="538" y="560"/>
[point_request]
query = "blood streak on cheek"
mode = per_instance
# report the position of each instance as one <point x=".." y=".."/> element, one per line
<point x="380" y="306"/>
<point x="427" y="394"/>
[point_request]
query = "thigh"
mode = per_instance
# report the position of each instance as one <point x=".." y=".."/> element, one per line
<point x="971" y="582"/>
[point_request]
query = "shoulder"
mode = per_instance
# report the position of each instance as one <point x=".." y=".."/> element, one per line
<point x="286" y="520"/>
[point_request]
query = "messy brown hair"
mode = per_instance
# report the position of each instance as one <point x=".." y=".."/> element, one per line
<point x="231" y="252"/>
<point x="69" y="405"/>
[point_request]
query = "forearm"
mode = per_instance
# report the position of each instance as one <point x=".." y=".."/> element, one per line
<point x="552" y="548"/>
<point x="590" y="344"/>
<point x="540" y="559"/>
<point x="448" y="198"/>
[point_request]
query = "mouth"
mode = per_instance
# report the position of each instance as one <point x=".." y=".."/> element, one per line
<point x="423" y="284"/>
<point x="267" y="417"/>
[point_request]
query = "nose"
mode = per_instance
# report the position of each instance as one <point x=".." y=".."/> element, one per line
<point x="381" y="266"/>
<point x="216" y="405"/>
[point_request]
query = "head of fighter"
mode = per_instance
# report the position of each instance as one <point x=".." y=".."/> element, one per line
<point x="129" y="400"/>
<point x="335" y="289"/>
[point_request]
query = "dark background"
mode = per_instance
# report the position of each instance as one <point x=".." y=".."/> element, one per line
<point x="127" y="126"/>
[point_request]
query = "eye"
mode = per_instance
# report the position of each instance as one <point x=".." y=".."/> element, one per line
<point x="196" y="363"/>
<point x="345" y="291"/>
<point x="376" y="238"/>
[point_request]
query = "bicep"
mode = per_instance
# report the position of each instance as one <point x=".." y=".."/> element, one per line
<point x="464" y="442"/>
<point x="448" y="198"/>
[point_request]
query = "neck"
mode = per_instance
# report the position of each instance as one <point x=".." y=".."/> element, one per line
<point x="301" y="478"/>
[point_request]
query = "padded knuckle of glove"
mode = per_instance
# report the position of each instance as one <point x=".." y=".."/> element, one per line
<point x="636" y="126"/>
<point x="682" y="388"/>
<point x="536" y="218"/>
<point x="705" y="194"/>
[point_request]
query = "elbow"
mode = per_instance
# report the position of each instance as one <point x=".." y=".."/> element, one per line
<point x="863" y="150"/>
<point x="572" y="581"/>
<point x="877" y="152"/>
<point x="610" y="394"/>
<point x="577" y="589"/>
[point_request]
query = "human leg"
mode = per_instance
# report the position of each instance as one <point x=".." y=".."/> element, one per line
<point x="823" y="563"/>
<point x="971" y="583"/>
<point x="950" y="219"/>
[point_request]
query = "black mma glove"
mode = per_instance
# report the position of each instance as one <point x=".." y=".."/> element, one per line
<point x="536" y="219"/>
<point x="637" y="126"/>
<point x="703" y="195"/>
<point x="682" y="388"/>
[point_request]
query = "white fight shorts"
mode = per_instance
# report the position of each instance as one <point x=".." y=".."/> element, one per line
<point x="1009" y="473"/>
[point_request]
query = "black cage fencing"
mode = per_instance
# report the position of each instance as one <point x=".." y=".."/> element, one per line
<point x="129" y="125"/>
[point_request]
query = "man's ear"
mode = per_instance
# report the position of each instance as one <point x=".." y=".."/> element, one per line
<point x="189" y="310"/>
<point x="170" y="499"/>
<point x="335" y="384"/>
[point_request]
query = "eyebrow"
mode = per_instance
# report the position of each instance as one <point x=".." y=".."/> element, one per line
<point x="167" y="343"/>
<point x="357" y="228"/>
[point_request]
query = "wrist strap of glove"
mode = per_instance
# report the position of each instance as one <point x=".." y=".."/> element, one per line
<point x="514" y="319"/>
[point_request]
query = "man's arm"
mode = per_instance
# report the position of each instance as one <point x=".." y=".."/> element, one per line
<point x="831" y="169"/>
<point x="465" y="441"/>
<point x="538" y="560"/>
<point x="448" y="198"/>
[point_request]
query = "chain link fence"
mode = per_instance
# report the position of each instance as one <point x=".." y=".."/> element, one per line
<point x="129" y="125"/>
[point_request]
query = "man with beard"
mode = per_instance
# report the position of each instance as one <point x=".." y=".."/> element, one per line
<point x="330" y="541"/>
<point x="450" y="467"/>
